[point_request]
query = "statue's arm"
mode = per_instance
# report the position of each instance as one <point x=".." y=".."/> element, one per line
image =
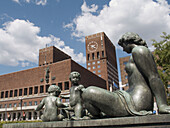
<point x="40" y="106"/>
<point x="144" y="61"/>
<point x="60" y="104"/>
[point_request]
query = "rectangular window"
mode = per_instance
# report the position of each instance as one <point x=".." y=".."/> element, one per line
<point x="98" y="62"/>
<point x="6" y="94"/>
<point x="99" y="75"/>
<point x="0" y="106"/>
<point x="2" y="94"/>
<point x="99" y="71"/>
<point x="98" y="56"/>
<point x="15" y="105"/>
<point x="88" y="56"/>
<point x="30" y="103"/>
<point x="66" y="85"/>
<point x="88" y="64"/>
<point x="89" y="68"/>
<point x="11" y="93"/>
<point x="93" y="63"/>
<point x="125" y="62"/>
<point x="102" y="53"/>
<point x="36" y="90"/>
<point x="5" y="105"/>
<point x="47" y="86"/>
<point x="60" y="85"/>
<point x="98" y="66"/>
<point x="10" y="105"/>
<point x="15" y="93"/>
<point x="20" y="92"/>
<point x="25" y="91"/>
<point x="30" y="90"/>
<point x="93" y="57"/>
<point x="25" y="103"/>
<point x="93" y="67"/>
<point x="35" y="102"/>
<point x="19" y="104"/>
<point x="41" y="88"/>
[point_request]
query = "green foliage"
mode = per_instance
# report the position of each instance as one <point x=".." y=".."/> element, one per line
<point x="162" y="58"/>
<point x="7" y="122"/>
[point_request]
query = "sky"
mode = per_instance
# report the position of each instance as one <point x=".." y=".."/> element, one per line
<point x="29" y="25"/>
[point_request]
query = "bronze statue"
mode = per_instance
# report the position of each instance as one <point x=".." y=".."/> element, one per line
<point x="144" y="83"/>
<point x="52" y="103"/>
<point x="75" y="95"/>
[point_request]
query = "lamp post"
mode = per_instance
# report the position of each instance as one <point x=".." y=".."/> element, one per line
<point x="21" y="117"/>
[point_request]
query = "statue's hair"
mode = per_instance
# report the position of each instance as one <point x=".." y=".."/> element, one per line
<point x="54" y="88"/>
<point x="76" y="73"/>
<point x="132" y="38"/>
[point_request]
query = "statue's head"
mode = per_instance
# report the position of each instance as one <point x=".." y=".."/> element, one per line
<point x="54" y="89"/>
<point x="74" y="77"/>
<point x="129" y="39"/>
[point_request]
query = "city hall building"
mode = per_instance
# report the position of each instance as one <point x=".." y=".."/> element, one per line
<point x="22" y="91"/>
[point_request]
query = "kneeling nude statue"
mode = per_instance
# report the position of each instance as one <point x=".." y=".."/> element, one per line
<point x="144" y="84"/>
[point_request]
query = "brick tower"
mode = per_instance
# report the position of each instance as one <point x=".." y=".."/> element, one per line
<point x="101" y="58"/>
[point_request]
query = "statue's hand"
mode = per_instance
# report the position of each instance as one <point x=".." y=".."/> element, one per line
<point x="79" y="88"/>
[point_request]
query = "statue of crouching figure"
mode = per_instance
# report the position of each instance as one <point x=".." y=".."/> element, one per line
<point x="52" y="102"/>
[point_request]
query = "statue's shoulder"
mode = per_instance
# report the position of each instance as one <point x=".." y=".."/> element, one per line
<point x="140" y="50"/>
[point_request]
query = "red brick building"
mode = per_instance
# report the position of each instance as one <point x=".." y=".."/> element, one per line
<point x="101" y="59"/>
<point x="20" y="92"/>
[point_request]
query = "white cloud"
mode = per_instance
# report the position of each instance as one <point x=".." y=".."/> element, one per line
<point x="20" y="42"/>
<point x="145" y="17"/>
<point x="87" y="9"/>
<point x="37" y="2"/>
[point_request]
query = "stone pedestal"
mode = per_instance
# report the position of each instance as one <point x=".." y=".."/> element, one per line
<point x="150" y="121"/>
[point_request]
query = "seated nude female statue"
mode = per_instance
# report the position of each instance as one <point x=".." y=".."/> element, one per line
<point x="144" y="84"/>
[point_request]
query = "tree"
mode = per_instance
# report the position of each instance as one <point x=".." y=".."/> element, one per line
<point x="162" y="58"/>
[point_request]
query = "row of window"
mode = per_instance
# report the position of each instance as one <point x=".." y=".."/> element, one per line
<point x="94" y="67"/>
<point x="29" y="91"/>
<point x="93" y="63"/>
<point x="93" y="55"/>
<point x="30" y="103"/>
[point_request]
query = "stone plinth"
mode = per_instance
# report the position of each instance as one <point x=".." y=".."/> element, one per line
<point x="150" y="121"/>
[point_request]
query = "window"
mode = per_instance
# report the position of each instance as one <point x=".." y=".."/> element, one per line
<point x="88" y="64"/>
<point x="89" y="68"/>
<point x="99" y="75"/>
<point x="30" y="90"/>
<point x="5" y="105"/>
<point x="11" y="93"/>
<point x="25" y="103"/>
<point x="36" y="90"/>
<point x="10" y="105"/>
<point x="98" y="62"/>
<point x="0" y="106"/>
<point x="93" y="67"/>
<point x="126" y="77"/>
<point x="93" y="63"/>
<point x="66" y="85"/>
<point x="102" y="53"/>
<point x="35" y="102"/>
<point x="47" y="86"/>
<point x="20" y="92"/>
<point x="41" y="88"/>
<point x="15" y="105"/>
<point x="25" y="91"/>
<point x="125" y="62"/>
<point x="99" y="71"/>
<point x="93" y="56"/>
<point x="15" y="92"/>
<point x="60" y="85"/>
<point x="6" y="94"/>
<point x="2" y="94"/>
<point x="30" y="103"/>
<point x="98" y="56"/>
<point x="94" y="71"/>
<point x="98" y="66"/>
<point x="88" y="56"/>
<point x="19" y="104"/>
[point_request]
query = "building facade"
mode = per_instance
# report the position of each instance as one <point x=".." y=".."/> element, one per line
<point x="101" y="59"/>
<point x="22" y="91"/>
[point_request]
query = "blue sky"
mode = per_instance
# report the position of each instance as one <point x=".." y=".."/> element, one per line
<point x="28" y="25"/>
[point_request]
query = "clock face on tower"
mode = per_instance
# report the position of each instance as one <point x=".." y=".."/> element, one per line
<point x="92" y="46"/>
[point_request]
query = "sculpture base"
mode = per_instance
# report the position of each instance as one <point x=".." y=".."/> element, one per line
<point x="149" y="121"/>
